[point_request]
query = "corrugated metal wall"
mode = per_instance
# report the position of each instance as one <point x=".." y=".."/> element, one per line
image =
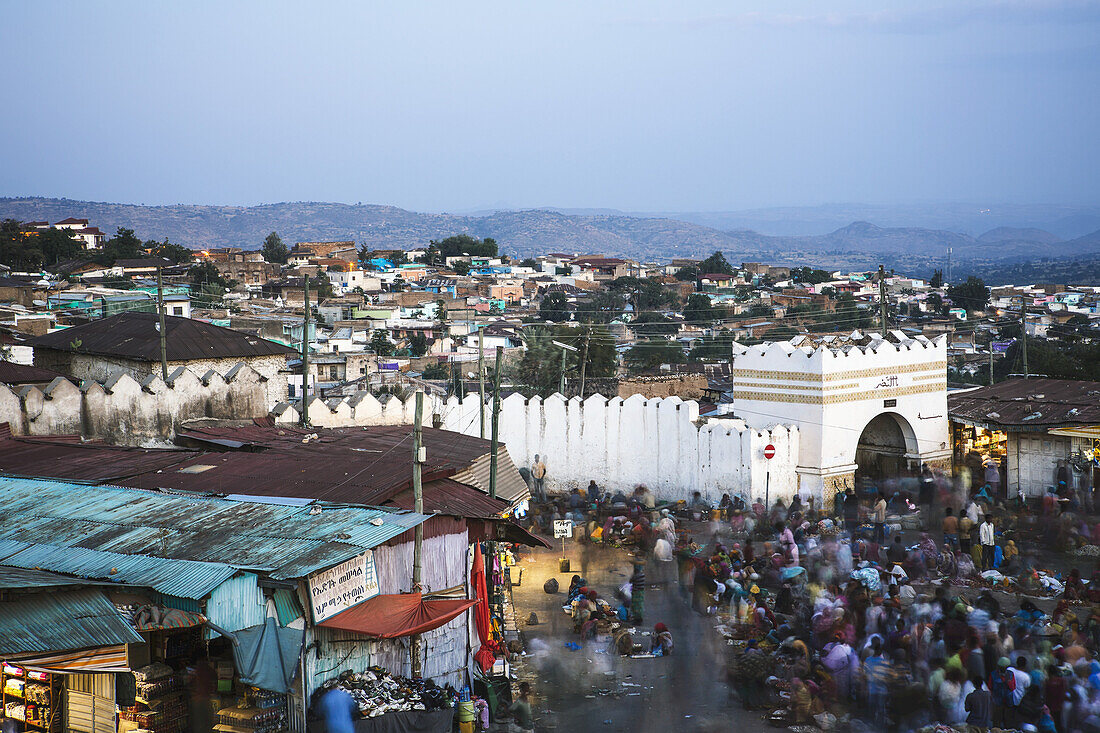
<point x="236" y="604"/>
<point x="445" y="566"/>
<point x="100" y="685"/>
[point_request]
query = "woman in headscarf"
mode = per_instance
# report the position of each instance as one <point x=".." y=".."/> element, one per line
<point x="928" y="549"/>
<point x="661" y="645"/>
<point x="800" y="664"/>
<point x="948" y="565"/>
<point x="1010" y="560"/>
<point x="802" y="701"/>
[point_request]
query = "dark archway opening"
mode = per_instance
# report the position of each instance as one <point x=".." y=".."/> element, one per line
<point x="880" y="453"/>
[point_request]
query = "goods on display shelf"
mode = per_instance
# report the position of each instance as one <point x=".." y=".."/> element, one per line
<point x="252" y="718"/>
<point x="377" y="692"/>
<point x="31" y="697"/>
<point x="161" y="703"/>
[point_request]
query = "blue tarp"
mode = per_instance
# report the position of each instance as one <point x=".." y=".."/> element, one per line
<point x="267" y="655"/>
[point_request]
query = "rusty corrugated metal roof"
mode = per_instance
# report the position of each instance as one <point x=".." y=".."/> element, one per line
<point x="1028" y="404"/>
<point x="447" y="496"/>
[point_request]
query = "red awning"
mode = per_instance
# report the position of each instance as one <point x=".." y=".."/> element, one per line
<point x="392" y="616"/>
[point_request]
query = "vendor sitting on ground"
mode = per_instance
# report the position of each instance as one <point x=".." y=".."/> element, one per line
<point x="662" y="641"/>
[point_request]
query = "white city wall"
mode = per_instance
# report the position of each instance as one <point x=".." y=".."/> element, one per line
<point x="662" y="443"/>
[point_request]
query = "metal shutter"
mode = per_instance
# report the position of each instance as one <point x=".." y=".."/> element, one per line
<point x="88" y="713"/>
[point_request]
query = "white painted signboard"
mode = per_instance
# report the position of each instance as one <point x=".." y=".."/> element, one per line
<point x="338" y="589"/>
<point x="563" y="528"/>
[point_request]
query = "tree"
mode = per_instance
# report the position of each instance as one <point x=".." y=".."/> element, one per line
<point x="274" y="250"/>
<point x="652" y="353"/>
<point x="436" y="371"/>
<point x="321" y="288"/>
<point x="699" y="310"/>
<point x="712" y="348"/>
<point x="716" y="263"/>
<point x="461" y="267"/>
<point x="125" y="245"/>
<point x="207" y="283"/>
<point x="643" y="294"/>
<point x="540" y="369"/>
<point x="529" y="262"/>
<point x="937" y="280"/>
<point x="554" y="307"/>
<point x="605" y="307"/>
<point x="650" y="324"/>
<point x="380" y="343"/>
<point x="176" y="253"/>
<point x="688" y="273"/>
<point x="460" y="245"/>
<point x="418" y="344"/>
<point x="761" y="310"/>
<point x="972" y="294"/>
<point x="57" y="245"/>
<point x="810" y="276"/>
<point x="15" y="251"/>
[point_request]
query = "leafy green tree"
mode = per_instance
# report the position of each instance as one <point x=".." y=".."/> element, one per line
<point x="15" y="251"/>
<point x="652" y="353"/>
<point x="643" y="294"/>
<point x="177" y="253"/>
<point x="810" y="276"/>
<point x="529" y="262"/>
<point x="760" y="310"/>
<point x="320" y="288"/>
<point x="650" y="324"/>
<point x="57" y="245"/>
<point x="1054" y="359"/>
<point x="461" y="267"/>
<point x="972" y="294"/>
<point x="716" y="263"/>
<point x="461" y="245"/>
<point x="554" y="307"/>
<point x="937" y="280"/>
<point x="713" y="348"/>
<point x="274" y="250"/>
<point x="380" y="343"/>
<point x="539" y="371"/>
<point x="689" y="273"/>
<point x="125" y="245"/>
<point x="699" y="310"/>
<point x="418" y="344"/>
<point x="605" y="307"/>
<point x="436" y="371"/>
<point x="207" y="284"/>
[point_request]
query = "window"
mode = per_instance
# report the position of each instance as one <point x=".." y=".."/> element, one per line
<point x="290" y="388"/>
<point x="177" y="310"/>
<point x="333" y="373"/>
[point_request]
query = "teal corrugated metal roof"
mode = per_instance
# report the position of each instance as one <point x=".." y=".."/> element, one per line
<point x="185" y="578"/>
<point x="11" y="577"/>
<point x="159" y="529"/>
<point x="47" y="622"/>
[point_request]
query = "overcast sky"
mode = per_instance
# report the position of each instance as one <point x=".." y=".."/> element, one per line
<point x="636" y="105"/>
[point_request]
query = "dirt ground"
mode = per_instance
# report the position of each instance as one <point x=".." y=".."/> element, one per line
<point x="589" y="689"/>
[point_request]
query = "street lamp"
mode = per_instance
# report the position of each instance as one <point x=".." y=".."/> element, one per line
<point x="564" y="348"/>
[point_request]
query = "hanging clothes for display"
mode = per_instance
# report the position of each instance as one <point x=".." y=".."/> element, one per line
<point x="485" y="655"/>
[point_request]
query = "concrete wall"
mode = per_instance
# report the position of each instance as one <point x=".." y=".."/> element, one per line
<point x="103" y="368"/>
<point x="125" y="411"/>
<point x="662" y="443"/>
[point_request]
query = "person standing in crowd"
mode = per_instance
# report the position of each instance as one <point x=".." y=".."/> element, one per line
<point x="339" y="711"/>
<point x="538" y="473"/>
<point x="950" y="529"/>
<point x="979" y="706"/>
<point x="851" y="512"/>
<point x="880" y="519"/>
<point x="986" y="537"/>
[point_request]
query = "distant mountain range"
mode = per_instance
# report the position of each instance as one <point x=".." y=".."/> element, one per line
<point x="857" y="244"/>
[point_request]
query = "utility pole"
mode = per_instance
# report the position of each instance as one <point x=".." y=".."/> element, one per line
<point x="481" y="382"/>
<point x="561" y="384"/>
<point x="882" y="297"/>
<point x="418" y="507"/>
<point x="1023" y="331"/>
<point x="495" y="441"/>
<point x="991" y="362"/>
<point x="584" y="358"/>
<point x="305" y="359"/>
<point x="163" y="330"/>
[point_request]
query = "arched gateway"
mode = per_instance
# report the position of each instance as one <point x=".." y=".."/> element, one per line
<point x="862" y="403"/>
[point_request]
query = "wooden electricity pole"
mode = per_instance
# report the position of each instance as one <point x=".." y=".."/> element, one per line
<point x="163" y="331"/>
<point x="1023" y="331"/>
<point x="495" y="441"/>
<point x="584" y="358"/>
<point x="305" y="359"/>
<point x="882" y="297"/>
<point x="418" y="507"/>
<point x="481" y="383"/>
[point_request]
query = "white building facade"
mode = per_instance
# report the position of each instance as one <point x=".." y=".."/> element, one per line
<point x="863" y="405"/>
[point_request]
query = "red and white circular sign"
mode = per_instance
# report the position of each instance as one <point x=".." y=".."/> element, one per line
<point x="769" y="451"/>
